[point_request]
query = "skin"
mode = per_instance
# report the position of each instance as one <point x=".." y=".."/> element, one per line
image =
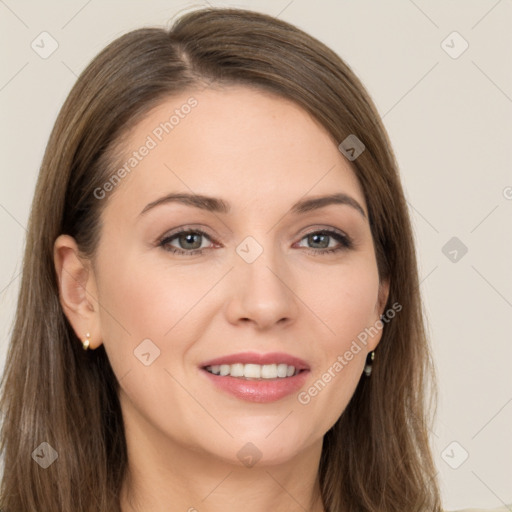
<point x="261" y="153"/>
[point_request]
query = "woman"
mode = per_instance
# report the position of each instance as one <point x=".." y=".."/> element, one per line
<point x="280" y="360"/>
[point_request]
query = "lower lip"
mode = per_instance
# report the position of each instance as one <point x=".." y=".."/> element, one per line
<point x="259" y="390"/>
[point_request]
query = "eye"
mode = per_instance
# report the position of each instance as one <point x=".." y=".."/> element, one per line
<point x="321" y="241"/>
<point x="189" y="242"/>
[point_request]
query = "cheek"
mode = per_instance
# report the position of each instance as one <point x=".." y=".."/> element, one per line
<point x="149" y="320"/>
<point x="346" y="306"/>
<point x="144" y="301"/>
<point x="344" y="299"/>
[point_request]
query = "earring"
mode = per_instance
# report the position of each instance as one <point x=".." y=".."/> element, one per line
<point x="369" y="366"/>
<point x="86" y="342"/>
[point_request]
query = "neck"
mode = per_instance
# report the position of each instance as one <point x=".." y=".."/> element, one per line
<point x="179" y="478"/>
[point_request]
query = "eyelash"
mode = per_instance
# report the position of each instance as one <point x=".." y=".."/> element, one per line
<point x="344" y="240"/>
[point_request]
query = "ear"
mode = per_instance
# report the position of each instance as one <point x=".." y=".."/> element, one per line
<point x="77" y="289"/>
<point x="382" y="299"/>
<point x="382" y="296"/>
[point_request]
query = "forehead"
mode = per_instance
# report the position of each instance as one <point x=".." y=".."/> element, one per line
<point x="235" y="142"/>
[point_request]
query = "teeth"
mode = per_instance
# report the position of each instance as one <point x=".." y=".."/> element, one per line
<point x="253" y="371"/>
<point x="269" y="371"/>
<point x="237" y="370"/>
<point x="282" y="370"/>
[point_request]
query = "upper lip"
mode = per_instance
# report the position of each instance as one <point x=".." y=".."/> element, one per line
<point x="255" y="358"/>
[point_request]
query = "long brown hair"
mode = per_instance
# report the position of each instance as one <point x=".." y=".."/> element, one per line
<point x="377" y="456"/>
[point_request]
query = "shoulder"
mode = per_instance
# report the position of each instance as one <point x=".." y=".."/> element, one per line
<point x="506" y="508"/>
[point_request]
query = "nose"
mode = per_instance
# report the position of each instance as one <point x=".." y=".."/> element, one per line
<point x="262" y="292"/>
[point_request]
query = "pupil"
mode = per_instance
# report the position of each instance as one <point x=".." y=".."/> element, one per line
<point x="315" y="237"/>
<point x="189" y="239"/>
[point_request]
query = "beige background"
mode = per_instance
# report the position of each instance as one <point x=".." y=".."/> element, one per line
<point x="450" y="123"/>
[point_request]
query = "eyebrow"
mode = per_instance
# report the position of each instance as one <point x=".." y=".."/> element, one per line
<point x="217" y="205"/>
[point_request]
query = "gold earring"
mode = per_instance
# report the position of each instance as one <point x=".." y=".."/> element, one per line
<point x="86" y="342"/>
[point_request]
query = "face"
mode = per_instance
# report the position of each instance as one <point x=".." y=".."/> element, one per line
<point x="243" y="284"/>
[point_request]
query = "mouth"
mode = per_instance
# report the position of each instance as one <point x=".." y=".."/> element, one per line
<point x="257" y="377"/>
<point x="254" y="371"/>
<point x="251" y="365"/>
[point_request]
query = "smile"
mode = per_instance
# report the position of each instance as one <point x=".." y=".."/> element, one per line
<point x="254" y="371"/>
